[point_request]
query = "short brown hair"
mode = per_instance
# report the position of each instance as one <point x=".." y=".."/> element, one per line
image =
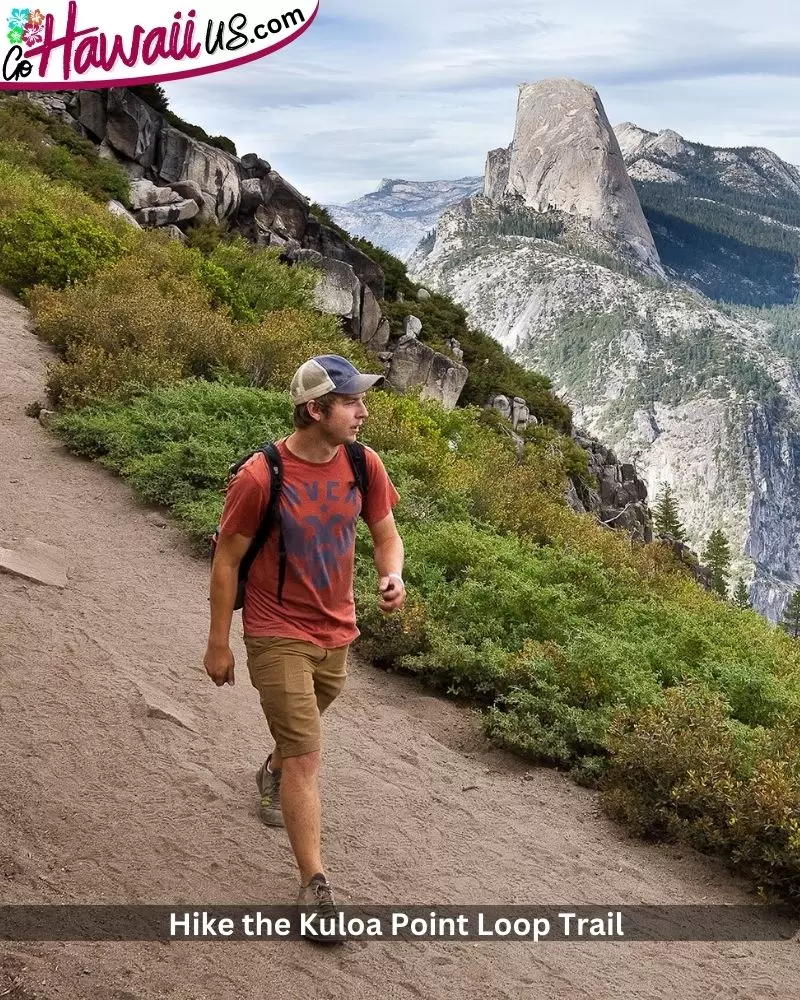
<point x="302" y="418"/>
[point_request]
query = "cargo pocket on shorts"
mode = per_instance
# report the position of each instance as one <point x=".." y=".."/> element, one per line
<point x="297" y="677"/>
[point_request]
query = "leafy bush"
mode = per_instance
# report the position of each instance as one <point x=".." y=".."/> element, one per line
<point x="175" y="443"/>
<point x="204" y="235"/>
<point x="31" y="137"/>
<point x="272" y="351"/>
<point x="39" y="247"/>
<point x="151" y="319"/>
<point x="259" y="282"/>
<point x="146" y="321"/>
<point x="682" y="770"/>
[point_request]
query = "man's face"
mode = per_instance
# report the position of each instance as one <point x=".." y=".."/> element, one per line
<point x="344" y="419"/>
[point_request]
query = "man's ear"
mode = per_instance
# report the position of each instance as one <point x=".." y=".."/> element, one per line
<point x="313" y="410"/>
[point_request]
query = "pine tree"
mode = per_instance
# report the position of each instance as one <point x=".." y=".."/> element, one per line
<point x="791" y="616"/>
<point x="717" y="556"/>
<point x="741" y="596"/>
<point x="152" y="94"/>
<point x="667" y="515"/>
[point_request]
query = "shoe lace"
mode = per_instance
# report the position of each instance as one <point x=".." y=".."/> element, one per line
<point x="272" y="793"/>
<point x="324" y="896"/>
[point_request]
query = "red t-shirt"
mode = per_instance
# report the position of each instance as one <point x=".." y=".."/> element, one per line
<point x="319" y="507"/>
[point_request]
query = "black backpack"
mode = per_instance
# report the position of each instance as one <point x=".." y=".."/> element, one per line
<point x="358" y="462"/>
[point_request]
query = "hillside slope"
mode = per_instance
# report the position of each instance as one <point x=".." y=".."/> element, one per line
<point x="725" y="221"/>
<point x="108" y="802"/>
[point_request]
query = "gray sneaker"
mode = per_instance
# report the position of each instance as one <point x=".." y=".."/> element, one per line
<point x="317" y="905"/>
<point x="269" y="788"/>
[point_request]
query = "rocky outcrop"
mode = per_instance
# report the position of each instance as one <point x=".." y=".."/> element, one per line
<point x="612" y="492"/>
<point x="117" y="208"/>
<point x="131" y="127"/>
<point x="773" y="448"/>
<point x="565" y="157"/>
<point x="410" y="363"/>
<point x="495" y="180"/>
<point x="330" y="244"/>
<point x="619" y="501"/>
<point x="415" y="364"/>
<point x="338" y="292"/>
<point x="515" y="410"/>
<point x="176" y="179"/>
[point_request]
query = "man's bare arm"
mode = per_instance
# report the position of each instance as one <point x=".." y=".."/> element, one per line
<point x="219" y="661"/>
<point x="388" y="556"/>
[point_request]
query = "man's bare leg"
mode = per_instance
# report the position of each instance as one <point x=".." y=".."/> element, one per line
<point x="302" y="809"/>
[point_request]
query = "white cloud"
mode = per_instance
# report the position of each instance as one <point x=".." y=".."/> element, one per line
<point x="423" y="89"/>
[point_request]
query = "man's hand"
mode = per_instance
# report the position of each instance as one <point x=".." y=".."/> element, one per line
<point x="393" y="593"/>
<point x="219" y="664"/>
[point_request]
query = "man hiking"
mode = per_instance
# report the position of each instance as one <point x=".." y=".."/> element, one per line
<point x="299" y="613"/>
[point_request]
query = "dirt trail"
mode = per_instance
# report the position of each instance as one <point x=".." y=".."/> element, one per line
<point x="103" y="802"/>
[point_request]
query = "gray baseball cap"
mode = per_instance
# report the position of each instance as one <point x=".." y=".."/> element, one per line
<point x="329" y="373"/>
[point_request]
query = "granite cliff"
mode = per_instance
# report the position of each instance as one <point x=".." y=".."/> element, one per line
<point x="565" y="157"/>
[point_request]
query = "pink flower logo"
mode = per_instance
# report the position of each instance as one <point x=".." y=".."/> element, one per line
<point x="33" y="34"/>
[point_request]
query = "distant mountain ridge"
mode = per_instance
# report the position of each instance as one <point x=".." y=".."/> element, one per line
<point x="724" y="220"/>
<point x="400" y="213"/>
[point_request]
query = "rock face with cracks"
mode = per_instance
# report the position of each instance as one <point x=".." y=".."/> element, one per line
<point x="565" y="156"/>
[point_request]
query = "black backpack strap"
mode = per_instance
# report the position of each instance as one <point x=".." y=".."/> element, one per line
<point x="271" y="514"/>
<point x="358" y="460"/>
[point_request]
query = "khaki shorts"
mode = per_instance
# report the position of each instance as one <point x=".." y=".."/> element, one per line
<point x="296" y="681"/>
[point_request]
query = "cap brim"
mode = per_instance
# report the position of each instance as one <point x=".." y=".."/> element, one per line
<point x="359" y="383"/>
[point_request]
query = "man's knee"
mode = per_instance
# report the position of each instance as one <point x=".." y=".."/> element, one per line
<point x="304" y="766"/>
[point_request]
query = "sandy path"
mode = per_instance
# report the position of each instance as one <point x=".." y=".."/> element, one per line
<point x="103" y="803"/>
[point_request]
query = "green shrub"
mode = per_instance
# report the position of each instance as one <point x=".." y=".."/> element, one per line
<point x="224" y="291"/>
<point x="31" y="137"/>
<point x="143" y="322"/>
<point x="175" y="443"/>
<point x="39" y="247"/>
<point x="163" y="312"/>
<point x="269" y="353"/>
<point x="205" y="235"/>
<point x="260" y="283"/>
<point x="681" y="770"/>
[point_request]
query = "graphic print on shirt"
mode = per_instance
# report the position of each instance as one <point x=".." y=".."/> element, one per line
<point x="316" y="540"/>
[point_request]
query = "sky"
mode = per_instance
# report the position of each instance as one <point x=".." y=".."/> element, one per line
<point x="422" y="89"/>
